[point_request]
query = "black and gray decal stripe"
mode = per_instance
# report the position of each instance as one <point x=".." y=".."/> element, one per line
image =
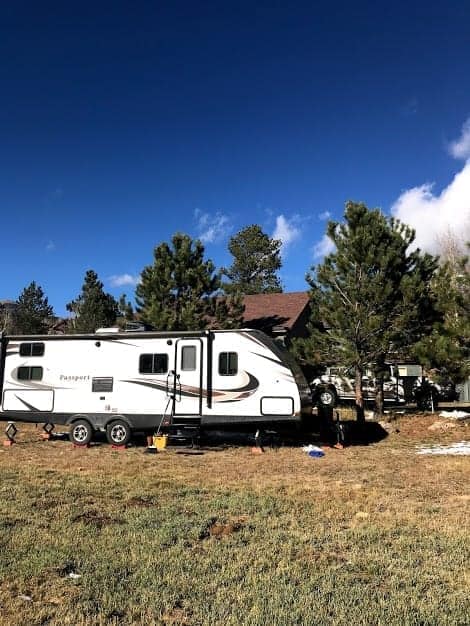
<point x="189" y="392"/>
<point x="268" y="358"/>
<point x="30" y="406"/>
<point x="252" y="385"/>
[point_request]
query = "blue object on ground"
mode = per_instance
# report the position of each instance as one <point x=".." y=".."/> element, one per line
<point x="316" y="453"/>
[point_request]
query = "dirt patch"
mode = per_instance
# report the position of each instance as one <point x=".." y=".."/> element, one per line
<point x="142" y="501"/>
<point x="419" y="426"/>
<point x="176" y="616"/>
<point x="97" y="519"/>
<point x="221" y="528"/>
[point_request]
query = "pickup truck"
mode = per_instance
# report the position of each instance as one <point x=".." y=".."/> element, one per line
<point x="337" y="385"/>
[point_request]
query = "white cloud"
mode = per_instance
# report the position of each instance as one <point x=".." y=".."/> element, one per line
<point x="432" y="215"/>
<point x="324" y="247"/>
<point x="324" y="216"/>
<point x="50" y="246"/>
<point x="121" y="280"/>
<point x="460" y="148"/>
<point x="212" y="228"/>
<point x="287" y="230"/>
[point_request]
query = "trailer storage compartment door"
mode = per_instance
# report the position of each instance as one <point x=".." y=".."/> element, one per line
<point x="28" y="400"/>
<point x="277" y="405"/>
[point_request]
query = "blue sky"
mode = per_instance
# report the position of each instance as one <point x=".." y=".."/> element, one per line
<point x="123" y="122"/>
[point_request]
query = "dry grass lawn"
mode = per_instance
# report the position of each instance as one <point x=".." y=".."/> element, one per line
<point x="369" y="535"/>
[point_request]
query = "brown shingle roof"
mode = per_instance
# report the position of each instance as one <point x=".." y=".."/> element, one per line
<point x="268" y="311"/>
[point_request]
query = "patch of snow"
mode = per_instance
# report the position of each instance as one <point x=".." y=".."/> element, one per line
<point x="456" y="415"/>
<point x="459" y="449"/>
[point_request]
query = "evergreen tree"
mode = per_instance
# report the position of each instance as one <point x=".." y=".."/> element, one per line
<point x="256" y="261"/>
<point x="7" y="318"/>
<point x="176" y="291"/>
<point x="228" y="312"/>
<point x="125" y="310"/>
<point x="93" y="308"/>
<point x="370" y="298"/>
<point x="446" y="351"/>
<point x="33" y="315"/>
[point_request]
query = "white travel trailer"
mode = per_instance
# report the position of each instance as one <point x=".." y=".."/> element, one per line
<point x="119" y="382"/>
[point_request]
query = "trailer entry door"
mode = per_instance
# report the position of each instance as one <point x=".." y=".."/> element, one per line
<point x="188" y="376"/>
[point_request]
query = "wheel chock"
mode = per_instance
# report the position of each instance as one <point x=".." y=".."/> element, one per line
<point x="118" y="448"/>
<point x="8" y="442"/>
<point x="257" y="450"/>
<point x="81" y="445"/>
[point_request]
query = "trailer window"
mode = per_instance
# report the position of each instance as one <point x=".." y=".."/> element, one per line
<point x="153" y="363"/>
<point x="30" y="373"/>
<point x="188" y="358"/>
<point x="228" y="363"/>
<point x="31" y="349"/>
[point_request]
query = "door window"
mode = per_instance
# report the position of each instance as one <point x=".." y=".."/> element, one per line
<point x="188" y="358"/>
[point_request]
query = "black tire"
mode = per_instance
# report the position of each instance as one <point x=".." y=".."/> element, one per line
<point x="327" y="397"/>
<point x="81" y="433"/>
<point x="118" y="433"/>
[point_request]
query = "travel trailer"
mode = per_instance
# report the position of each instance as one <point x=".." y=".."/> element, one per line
<point x="120" y="382"/>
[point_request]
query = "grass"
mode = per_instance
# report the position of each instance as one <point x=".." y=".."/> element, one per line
<point x="368" y="535"/>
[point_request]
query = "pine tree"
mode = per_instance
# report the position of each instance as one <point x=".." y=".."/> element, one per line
<point x="256" y="261"/>
<point x="93" y="308"/>
<point x="176" y="291"/>
<point x="446" y="351"/>
<point x="125" y="310"/>
<point x="228" y="312"/>
<point x="33" y="315"/>
<point x="370" y="297"/>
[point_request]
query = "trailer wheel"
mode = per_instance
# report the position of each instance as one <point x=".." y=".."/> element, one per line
<point x="118" y="433"/>
<point x="81" y="433"/>
<point x="327" y="397"/>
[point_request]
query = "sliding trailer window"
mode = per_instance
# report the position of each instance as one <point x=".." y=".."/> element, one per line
<point x="30" y="373"/>
<point x="32" y="349"/>
<point x="153" y="364"/>
<point x="228" y="363"/>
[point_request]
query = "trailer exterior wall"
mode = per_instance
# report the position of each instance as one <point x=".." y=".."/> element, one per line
<point x="104" y="376"/>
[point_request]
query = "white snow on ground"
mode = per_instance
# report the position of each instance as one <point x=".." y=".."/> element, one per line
<point x="459" y="449"/>
<point x="456" y="415"/>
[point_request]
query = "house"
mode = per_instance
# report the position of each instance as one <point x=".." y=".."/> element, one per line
<point x="280" y="315"/>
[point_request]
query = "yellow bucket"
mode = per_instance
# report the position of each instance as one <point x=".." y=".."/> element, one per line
<point x="160" y="441"/>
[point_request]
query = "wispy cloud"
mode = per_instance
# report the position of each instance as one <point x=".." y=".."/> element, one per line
<point x="287" y="230"/>
<point x="433" y="214"/>
<point x="323" y="247"/>
<point x="324" y="216"/>
<point x="212" y="228"/>
<point x="122" y="280"/>
<point x="50" y="246"/>
<point x="460" y="148"/>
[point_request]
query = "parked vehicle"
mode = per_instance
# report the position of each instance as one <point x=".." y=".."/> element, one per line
<point x="336" y="385"/>
<point x="403" y="383"/>
<point x="120" y="382"/>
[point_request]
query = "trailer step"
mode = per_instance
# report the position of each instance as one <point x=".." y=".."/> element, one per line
<point x="186" y="431"/>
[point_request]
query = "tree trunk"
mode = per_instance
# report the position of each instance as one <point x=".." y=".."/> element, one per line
<point x="379" y="388"/>
<point x="359" y="397"/>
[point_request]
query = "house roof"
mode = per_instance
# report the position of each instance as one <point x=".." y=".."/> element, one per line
<point x="274" y="312"/>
